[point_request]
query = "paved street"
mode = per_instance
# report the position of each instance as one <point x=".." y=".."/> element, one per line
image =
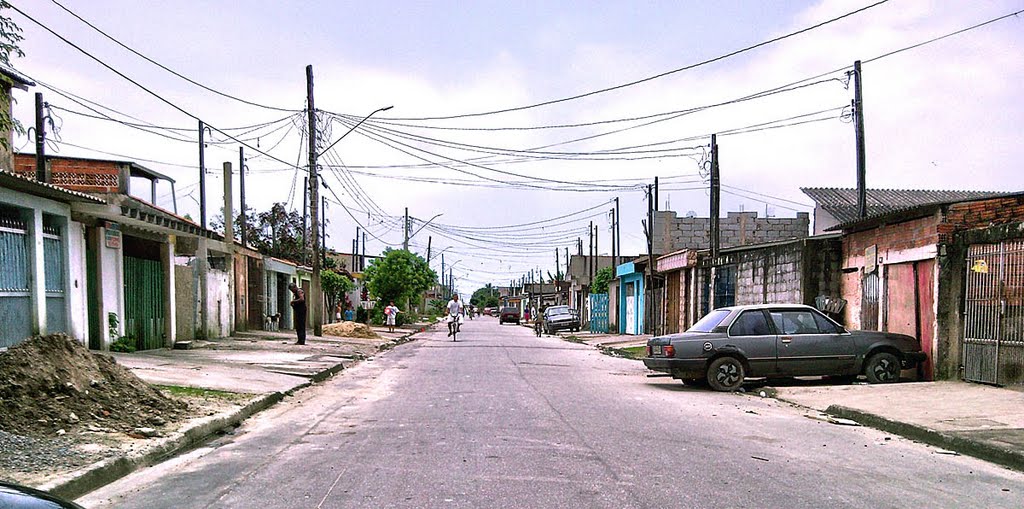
<point x="504" y="419"/>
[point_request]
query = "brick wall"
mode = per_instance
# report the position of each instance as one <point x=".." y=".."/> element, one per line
<point x="672" y="233"/>
<point x="892" y="237"/>
<point x="83" y="175"/>
<point x="979" y="214"/>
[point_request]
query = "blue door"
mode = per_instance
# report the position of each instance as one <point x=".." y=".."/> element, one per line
<point x="599" y="312"/>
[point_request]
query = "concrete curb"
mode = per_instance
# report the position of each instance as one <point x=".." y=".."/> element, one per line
<point x="198" y="432"/>
<point x="110" y="470"/>
<point x="1004" y="456"/>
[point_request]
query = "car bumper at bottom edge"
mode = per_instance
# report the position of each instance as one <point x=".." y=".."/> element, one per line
<point x="678" y="368"/>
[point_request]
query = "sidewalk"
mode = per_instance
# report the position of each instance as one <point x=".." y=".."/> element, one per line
<point x="266" y="365"/>
<point x="971" y="419"/>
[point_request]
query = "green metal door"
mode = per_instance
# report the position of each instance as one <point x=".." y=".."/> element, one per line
<point x="144" y="302"/>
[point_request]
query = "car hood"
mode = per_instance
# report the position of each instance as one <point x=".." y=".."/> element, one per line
<point x="904" y="342"/>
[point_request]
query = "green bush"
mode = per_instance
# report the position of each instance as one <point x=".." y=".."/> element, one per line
<point x="124" y="344"/>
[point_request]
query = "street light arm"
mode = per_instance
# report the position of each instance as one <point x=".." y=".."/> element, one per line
<point x="424" y="225"/>
<point x="353" y="128"/>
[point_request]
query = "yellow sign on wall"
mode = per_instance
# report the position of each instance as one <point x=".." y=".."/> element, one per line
<point x="980" y="266"/>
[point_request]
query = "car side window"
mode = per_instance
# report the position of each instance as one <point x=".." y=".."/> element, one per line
<point x="750" y="323"/>
<point x="826" y="326"/>
<point x="795" y="322"/>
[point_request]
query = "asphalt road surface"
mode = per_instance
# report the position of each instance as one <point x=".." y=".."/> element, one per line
<point x="505" y="419"/>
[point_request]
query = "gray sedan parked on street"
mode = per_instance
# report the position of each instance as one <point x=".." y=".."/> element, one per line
<point x="767" y="340"/>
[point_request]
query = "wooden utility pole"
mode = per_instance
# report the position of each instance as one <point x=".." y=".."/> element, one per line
<point x="715" y="189"/>
<point x="315" y="300"/>
<point x="305" y="218"/>
<point x="362" y="258"/>
<point x="355" y="252"/>
<point x="618" y="232"/>
<point x="615" y="254"/>
<point x="41" y="173"/>
<point x="656" y="194"/>
<point x="202" y="174"/>
<point x="241" y="195"/>
<point x="323" y="231"/>
<point x="858" y="123"/>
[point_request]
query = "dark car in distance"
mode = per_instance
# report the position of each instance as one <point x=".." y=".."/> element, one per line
<point x="778" y="340"/>
<point x="508" y="314"/>
<point x="558" y="318"/>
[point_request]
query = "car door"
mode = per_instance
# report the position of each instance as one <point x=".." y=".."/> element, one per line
<point x="810" y="344"/>
<point x="754" y="337"/>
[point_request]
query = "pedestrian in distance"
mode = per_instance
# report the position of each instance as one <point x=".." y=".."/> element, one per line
<point x="299" y="312"/>
<point x="390" y="314"/>
<point x="337" y="312"/>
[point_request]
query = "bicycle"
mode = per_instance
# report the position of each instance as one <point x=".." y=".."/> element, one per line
<point x="453" y="326"/>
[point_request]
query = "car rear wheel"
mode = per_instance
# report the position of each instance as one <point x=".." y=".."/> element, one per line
<point x="882" y="368"/>
<point x="725" y="374"/>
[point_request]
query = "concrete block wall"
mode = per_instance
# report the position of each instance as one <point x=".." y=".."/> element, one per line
<point x="673" y="233"/>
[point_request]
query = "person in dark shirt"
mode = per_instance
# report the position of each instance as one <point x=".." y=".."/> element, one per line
<point x="299" y="312"/>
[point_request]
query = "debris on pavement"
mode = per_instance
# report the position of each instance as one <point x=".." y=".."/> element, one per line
<point x="350" y="330"/>
<point x="842" y="422"/>
<point x="759" y="458"/>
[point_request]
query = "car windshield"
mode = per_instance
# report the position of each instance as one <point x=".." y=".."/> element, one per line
<point x="558" y="311"/>
<point x="710" y="321"/>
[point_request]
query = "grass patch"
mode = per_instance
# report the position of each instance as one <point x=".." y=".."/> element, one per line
<point x="195" y="392"/>
<point x="634" y="352"/>
<point x="573" y="339"/>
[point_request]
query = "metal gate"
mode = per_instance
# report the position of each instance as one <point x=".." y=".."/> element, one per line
<point x="53" y="272"/>
<point x="144" y="302"/>
<point x="599" y="312"/>
<point x="994" y="313"/>
<point x="15" y="297"/>
<point x="869" y="299"/>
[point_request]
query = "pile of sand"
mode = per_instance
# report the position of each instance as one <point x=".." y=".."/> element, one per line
<point x="350" y="330"/>
<point x="49" y="383"/>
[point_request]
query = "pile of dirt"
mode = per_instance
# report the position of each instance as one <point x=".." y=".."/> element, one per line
<point x="350" y="330"/>
<point x="52" y="383"/>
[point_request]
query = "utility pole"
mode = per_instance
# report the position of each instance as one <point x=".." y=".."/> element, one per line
<point x="305" y="218"/>
<point x="597" y="251"/>
<point x="656" y="194"/>
<point x="41" y="173"/>
<point x="355" y="252"/>
<point x="858" y="123"/>
<point x="241" y="190"/>
<point x="323" y="231"/>
<point x="615" y="257"/>
<point x="618" y="231"/>
<point x="649" y="284"/>
<point x="362" y="259"/>
<point x="202" y="174"/>
<point x="590" y="257"/>
<point x="442" y="272"/>
<point x="405" y="243"/>
<point x="715" y="189"/>
<point x="429" y="240"/>
<point x="316" y="298"/>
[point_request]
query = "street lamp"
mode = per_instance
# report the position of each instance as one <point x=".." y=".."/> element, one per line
<point x="424" y="225"/>
<point x="353" y="128"/>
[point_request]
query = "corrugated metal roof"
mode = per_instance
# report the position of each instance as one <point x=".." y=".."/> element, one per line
<point x="18" y="183"/>
<point x="842" y="202"/>
<point x="913" y="211"/>
<point x="19" y="80"/>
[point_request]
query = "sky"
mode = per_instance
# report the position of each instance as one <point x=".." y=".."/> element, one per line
<point x="510" y="188"/>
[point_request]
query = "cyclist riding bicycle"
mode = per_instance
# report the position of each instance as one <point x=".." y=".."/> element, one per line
<point x="454" y="314"/>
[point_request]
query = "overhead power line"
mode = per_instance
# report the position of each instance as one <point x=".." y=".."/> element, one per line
<point x="650" y="78"/>
<point x="162" y="66"/>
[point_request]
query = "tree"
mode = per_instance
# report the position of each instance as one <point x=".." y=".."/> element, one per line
<point x="334" y="286"/>
<point x="486" y="297"/>
<point x="398" y="276"/>
<point x="601" y="280"/>
<point x="10" y="36"/>
<point x="276" y="232"/>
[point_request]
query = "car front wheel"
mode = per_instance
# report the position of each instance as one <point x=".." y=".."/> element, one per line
<point x="726" y="374"/>
<point x="882" y="368"/>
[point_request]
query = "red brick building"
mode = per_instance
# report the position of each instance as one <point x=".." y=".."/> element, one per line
<point x="906" y="271"/>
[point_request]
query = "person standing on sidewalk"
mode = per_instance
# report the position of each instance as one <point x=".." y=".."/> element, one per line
<point x="299" y="311"/>
<point x="390" y="315"/>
